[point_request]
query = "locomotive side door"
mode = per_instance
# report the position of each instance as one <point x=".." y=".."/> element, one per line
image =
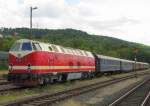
<point x="51" y="62"/>
<point x="50" y="59"/>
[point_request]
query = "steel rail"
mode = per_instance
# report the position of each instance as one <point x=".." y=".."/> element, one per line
<point x="4" y="83"/>
<point x="128" y="93"/>
<point x="144" y="103"/>
<point x="52" y="98"/>
<point x="4" y="89"/>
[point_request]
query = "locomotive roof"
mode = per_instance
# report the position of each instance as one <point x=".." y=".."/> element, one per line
<point x="23" y="40"/>
<point x="124" y="60"/>
<point x="108" y="57"/>
<point x="113" y="58"/>
<point x="58" y="48"/>
<point x="142" y="63"/>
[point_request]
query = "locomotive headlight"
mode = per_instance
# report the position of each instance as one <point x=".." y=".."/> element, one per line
<point x="10" y="67"/>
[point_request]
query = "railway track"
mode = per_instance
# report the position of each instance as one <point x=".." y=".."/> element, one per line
<point x="4" y="82"/>
<point x="137" y="96"/>
<point x="7" y="87"/>
<point x="146" y="101"/>
<point x="48" y="99"/>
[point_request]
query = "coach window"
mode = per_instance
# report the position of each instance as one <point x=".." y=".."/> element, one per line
<point x="26" y="46"/>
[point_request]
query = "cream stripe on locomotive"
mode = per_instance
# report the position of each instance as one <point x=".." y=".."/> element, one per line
<point x="47" y="67"/>
<point x="20" y="54"/>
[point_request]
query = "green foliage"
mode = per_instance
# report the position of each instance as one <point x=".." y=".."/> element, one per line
<point x="78" y="39"/>
<point x="3" y="65"/>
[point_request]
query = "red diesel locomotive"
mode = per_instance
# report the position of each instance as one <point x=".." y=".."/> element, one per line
<point x="32" y="63"/>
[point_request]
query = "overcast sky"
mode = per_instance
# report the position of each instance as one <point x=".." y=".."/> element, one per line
<point x="124" y="19"/>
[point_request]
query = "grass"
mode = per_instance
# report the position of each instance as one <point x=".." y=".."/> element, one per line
<point x="3" y="65"/>
<point x="29" y="92"/>
<point x="3" y="74"/>
<point x="72" y="102"/>
<point x="3" y="68"/>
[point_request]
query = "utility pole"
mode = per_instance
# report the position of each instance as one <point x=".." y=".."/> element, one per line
<point x="31" y="9"/>
<point x="135" y="61"/>
<point x="1" y="43"/>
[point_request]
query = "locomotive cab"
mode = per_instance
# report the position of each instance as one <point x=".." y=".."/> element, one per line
<point x="21" y="59"/>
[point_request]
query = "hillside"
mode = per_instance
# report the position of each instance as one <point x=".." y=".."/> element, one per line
<point x="78" y="39"/>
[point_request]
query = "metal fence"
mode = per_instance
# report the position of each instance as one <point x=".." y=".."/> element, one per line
<point x="3" y="60"/>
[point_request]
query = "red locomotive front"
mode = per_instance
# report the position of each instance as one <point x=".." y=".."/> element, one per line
<point x="32" y="63"/>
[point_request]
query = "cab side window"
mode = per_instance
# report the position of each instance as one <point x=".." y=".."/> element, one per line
<point x="36" y="46"/>
<point x="15" y="47"/>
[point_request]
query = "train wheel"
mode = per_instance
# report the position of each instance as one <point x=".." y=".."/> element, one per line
<point x="64" y="77"/>
<point x="85" y="75"/>
<point x="59" y="78"/>
<point x="91" y="75"/>
<point x="41" y="82"/>
<point x="46" y="81"/>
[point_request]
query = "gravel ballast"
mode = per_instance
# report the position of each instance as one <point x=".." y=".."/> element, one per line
<point x="103" y="96"/>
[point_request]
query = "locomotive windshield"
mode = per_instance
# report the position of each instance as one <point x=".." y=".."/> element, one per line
<point x="26" y="46"/>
